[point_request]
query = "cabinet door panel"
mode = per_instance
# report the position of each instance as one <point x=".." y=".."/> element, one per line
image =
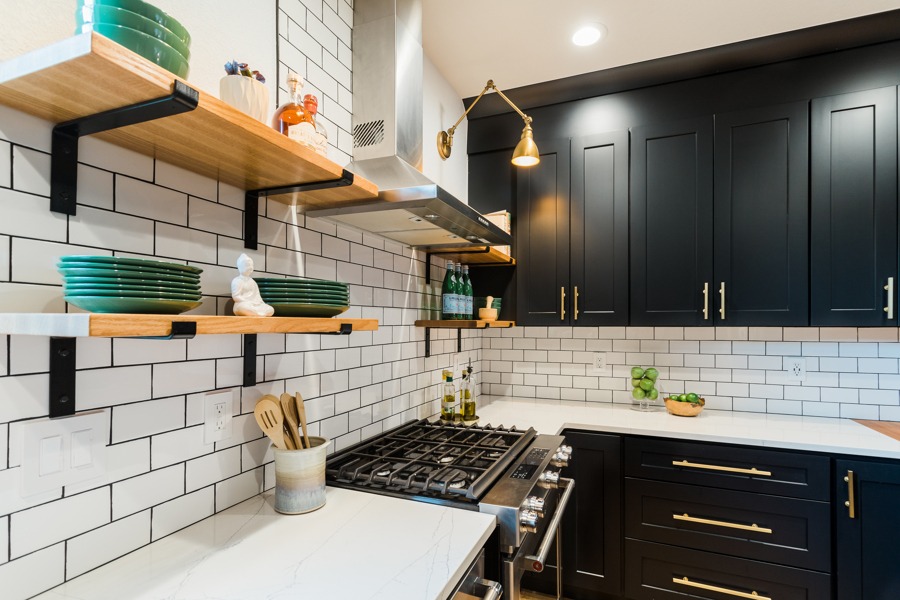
<point x="671" y="223"/>
<point x="599" y="225"/>
<point x="761" y="215"/>
<point x="542" y="234"/>
<point x="854" y="207"/>
<point x="867" y="546"/>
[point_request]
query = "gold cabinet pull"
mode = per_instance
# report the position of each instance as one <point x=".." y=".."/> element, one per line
<point x="706" y="301"/>
<point x="850" y="503"/>
<point x="722" y="300"/>
<point x="889" y="288"/>
<point x="750" y="471"/>
<point x="562" y="304"/>
<point x="754" y="527"/>
<point x="575" y="303"/>
<point x="721" y="590"/>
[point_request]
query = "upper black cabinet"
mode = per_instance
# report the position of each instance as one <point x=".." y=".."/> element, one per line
<point x="854" y="208"/>
<point x="867" y="523"/>
<point x="761" y="216"/>
<point x="571" y="233"/>
<point x="671" y="223"/>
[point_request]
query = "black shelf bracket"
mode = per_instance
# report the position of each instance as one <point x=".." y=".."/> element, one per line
<point x="249" y="359"/>
<point x="64" y="141"/>
<point x="62" y="377"/>
<point x="251" y="202"/>
<point x="346" y="329"/>
<point x="428" y="341"/>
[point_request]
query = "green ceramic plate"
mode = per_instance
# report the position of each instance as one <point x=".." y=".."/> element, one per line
<point x="132" y="294"/>
<point x="103" y="304"/>
<point x="69" y="272"/>
<point x="306" y="310"/>
<point x="129" y="262"/>
<point x="288" y="300"/>
<point x="305" y="293"/>
<point x="129" y="285"/>
<point x="193" y="286"/>
<point x="299" y="281"/>
<point x="304" y="287"/>
<point x="113" y="15"/>
<point x="151" y="12"/>
<point x="151" y="48"/>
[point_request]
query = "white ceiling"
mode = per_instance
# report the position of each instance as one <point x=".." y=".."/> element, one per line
<point x="521" y="42"/>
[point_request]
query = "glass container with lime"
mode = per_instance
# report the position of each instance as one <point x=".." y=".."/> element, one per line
<point x="645" y="389"/>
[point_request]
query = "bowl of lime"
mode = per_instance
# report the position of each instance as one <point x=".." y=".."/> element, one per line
<point x="685" y="405"/>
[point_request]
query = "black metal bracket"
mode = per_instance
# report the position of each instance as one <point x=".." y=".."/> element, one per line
<point x="249" y="359"/>
<point x="428" y="341"/>
<point x="251" y="202"/>
<point x="181" y="330"/>
<point x="64" y="141"/>
<point x="346" y="329"/>
<point x="62" y="377"/>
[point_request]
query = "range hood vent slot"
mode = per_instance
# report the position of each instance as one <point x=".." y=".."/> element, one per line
<point x="368" y="134"/>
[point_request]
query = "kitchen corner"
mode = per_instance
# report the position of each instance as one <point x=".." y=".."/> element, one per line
<point x="250" y="552"/>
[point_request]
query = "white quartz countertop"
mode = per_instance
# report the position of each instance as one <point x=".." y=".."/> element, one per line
<point x="819" y="434"/>
<point x="357" y="546"/>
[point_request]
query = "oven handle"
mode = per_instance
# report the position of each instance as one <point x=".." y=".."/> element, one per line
<point x="535" y="562"/>
<point x="494" y="590"/>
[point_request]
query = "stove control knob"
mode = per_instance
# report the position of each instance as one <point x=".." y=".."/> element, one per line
<point x="528" y="521"/>
<point x="534" y="503"/>
<point x="549" y="479"/>
<point x="564" y="449"/>
<point x="559" y="459"/>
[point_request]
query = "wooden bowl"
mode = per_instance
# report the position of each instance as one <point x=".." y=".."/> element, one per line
<point x="684" y="409"/>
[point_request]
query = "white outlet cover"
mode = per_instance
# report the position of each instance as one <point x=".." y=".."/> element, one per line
<point x="599" y="365"/>
<point x="795" y="368"/>
<point x="63" y="451"/>
<point x="211" y="415"/>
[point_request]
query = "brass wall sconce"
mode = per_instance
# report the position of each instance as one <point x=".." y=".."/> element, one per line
<point x="526" y="152"/>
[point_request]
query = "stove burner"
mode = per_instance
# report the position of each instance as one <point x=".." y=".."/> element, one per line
<point x="383" y="472"/>
<point x="493" y="455"/>
<point x="457" y="485"/>
<point x="446" y="460"/>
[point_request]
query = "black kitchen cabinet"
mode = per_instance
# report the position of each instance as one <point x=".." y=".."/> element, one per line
<point x="671" y="223"/>
<point x="592" y="525"/>
<point x="853" y="225"/>
<point x="867" y="522"/>
<point x="571" y="233"/>
<point x="760" y="207"/>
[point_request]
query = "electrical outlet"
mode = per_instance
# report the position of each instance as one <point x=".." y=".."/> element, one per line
<point x="599" y="363"/>
<point x="217" y="416"/>
<point x="796" y="368"/>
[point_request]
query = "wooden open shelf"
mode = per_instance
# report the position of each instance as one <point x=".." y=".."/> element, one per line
<point x="87" y="74"/>
<point x="475" y="255"/>
<point x="476" y="324"/>
<point x="121" y="325"/>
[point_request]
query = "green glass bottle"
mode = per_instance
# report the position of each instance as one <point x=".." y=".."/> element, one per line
<point x="469" y="293"/>
<point x="448" y="294"/>
<point x="460" y="293"/>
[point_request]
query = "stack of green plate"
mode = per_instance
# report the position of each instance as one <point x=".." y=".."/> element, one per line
<point x="109" y="284"/>
<point x="304" y="297"/>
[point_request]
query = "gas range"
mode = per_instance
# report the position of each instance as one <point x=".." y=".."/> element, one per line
<point x="510" y="473"/>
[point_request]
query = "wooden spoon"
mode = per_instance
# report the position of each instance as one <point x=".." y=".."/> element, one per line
<point x="301" y="413"/>
<point x="270" y="420"/>
<point x="291" y="419"/>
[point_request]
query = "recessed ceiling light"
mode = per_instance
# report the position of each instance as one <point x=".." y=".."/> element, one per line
<point x="589" y="34"/>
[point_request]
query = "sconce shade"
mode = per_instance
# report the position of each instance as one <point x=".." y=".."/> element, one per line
<point x="526" y="153"/>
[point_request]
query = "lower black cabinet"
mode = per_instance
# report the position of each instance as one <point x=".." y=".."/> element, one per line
<point x="867" y="524"/>
<point x="592" y="527"/>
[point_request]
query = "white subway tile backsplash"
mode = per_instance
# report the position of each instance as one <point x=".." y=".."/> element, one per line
<point x="133" y="351"/>
<point x="877" y="334"/>
<point x="4" y="540"/>
<point x="187" y="244"/>
<point x="821" y="409"/>
<point x="239" y="488"/>
<point x="42" y="526"/>
<point x="172" y="379"/>
<point x="34" y="573"/>
<point x="749" y="404"/>
<point x="93" y="151"/>
<point x="185" y="181"/>
<point x="837" y="334"/>
<point x="102" y="228"/>
<point x="766" y="391"/>
<point x="98" y="547"/>
<point x="801" y="334"/>
<point x="185" y="510"/>
<point x="699" y="360"/>
<point x="31" y="171"/>
<point x="144" y="491"/>
<point x="141" y="419"/>
<point x="27" y="215"/>
<point x="851" y="411"/>
<point x="143" y="199"/>
<point x="784" y="407"/>
<point x="99" y="388"/>
<point x="869" y="350"/>
<point x="877" y="365"/>
<point x="887" y="397"/>
<point x="177" y="446"/>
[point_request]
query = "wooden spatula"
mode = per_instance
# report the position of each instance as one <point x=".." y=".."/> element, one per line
<point x="291" y="419"/>
<point x="301" y="413"/>
<point x="270" y="420"/>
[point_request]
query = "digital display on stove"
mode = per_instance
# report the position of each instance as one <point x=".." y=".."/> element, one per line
<point x="524" y="471"/>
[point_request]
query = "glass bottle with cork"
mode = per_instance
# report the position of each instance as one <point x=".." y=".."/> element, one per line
<point x="320" y="138"/>
<point x="467" y="395"/>
<point x="448" y="397"/>
<point x="291" y="118"/>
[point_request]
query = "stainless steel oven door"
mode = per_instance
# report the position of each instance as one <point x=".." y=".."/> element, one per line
<point x="474" y="586"/>
<point x="533" y="556"/>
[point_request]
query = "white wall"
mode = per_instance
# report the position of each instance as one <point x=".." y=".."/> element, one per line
<point x="442" y="107"/>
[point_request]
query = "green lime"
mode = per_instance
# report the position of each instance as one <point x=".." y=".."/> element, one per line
<point x="692" y="397"/>
<point x="636" y="382"/>
<point x="653" y="394"/>
<point x="638" y="394"/>
<point x="646" y="384"/>
<point x="682" y="398"/>
<point x="637" y="372"/>
<point x="651" y="373"/>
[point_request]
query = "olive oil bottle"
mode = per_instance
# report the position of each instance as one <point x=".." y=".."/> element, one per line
<point x="448" y="398"/>
<point x="467" y="395"/>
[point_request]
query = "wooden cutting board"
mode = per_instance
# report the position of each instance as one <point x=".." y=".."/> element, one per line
<point x="888" y="428"/>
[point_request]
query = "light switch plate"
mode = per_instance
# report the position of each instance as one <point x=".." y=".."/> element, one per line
<point x="64" y="451"/>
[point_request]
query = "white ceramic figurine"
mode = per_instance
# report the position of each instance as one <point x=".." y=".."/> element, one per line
<point x="247" y="300"/>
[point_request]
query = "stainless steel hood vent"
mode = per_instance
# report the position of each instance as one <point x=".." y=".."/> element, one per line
<point x="387" y="138"/>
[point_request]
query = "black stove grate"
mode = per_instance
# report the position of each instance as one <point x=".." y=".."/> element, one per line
<point x="429" y="461"/>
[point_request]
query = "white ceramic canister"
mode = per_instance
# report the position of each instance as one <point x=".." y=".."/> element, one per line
<point x="300" y="478"/>
<point x="246" y="94"/>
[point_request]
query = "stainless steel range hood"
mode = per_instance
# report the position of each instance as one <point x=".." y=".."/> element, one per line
<point x="387" y="138"/>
